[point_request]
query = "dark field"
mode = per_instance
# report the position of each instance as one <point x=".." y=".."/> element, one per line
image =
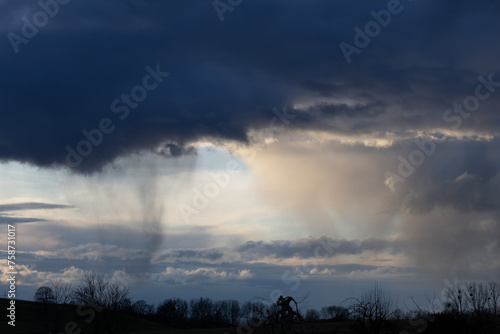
<point x="36" y="318"/>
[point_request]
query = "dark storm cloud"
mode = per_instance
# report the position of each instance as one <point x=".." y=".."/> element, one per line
<point x="450" y="209"/>
<point x="176" y="150"/>
<point x="464" y="176"/>
<point x="225" y="77"/>
<point x="369" y="110"/>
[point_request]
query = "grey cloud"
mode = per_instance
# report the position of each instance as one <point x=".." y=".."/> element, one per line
<point x="309" y="247"/>
<point x="174" y="150"/>
<point x="434" y="183"/>
<point x="183" y="255"/>
<point x="181" y="275"/>
<point x="32" y="206"/>
<point x="7" y="219"/>
<point x="445" y="241"/>
<point x="14" y="220"/>
<point x="225" y="77"/>
<point x="95" y="252"/>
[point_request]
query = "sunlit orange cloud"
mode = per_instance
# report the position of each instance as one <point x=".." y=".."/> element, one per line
<point x="335" y="189"/>
<point x="338" y="188"/>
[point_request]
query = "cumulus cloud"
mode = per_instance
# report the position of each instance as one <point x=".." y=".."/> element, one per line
<point x="122" y="277"/>
<point x="28" y="275"/>
<point x="301" y="248"/>
<point x="181" y="275"/>
<point x="381" y="272"/>
<point x="325" y="271"/>
<point x="95" y="252"/>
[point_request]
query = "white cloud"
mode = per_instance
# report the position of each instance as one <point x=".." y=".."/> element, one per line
<point x="27" y="275"/>
<point x="326" y="271"/>
<point x="94" y="252"/>
<point x="180" y="275"/>
<point x="380" y="272"/>
<point x="466" y="177"/>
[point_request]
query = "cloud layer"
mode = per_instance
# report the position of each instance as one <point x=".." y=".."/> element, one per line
<point x="6" y="218"/>
<point x="225" y="77"/>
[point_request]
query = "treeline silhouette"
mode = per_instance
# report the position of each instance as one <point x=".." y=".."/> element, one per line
<point x="106" y="306"/>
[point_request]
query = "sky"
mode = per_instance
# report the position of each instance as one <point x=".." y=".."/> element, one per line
<point x="247" y="149"/>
